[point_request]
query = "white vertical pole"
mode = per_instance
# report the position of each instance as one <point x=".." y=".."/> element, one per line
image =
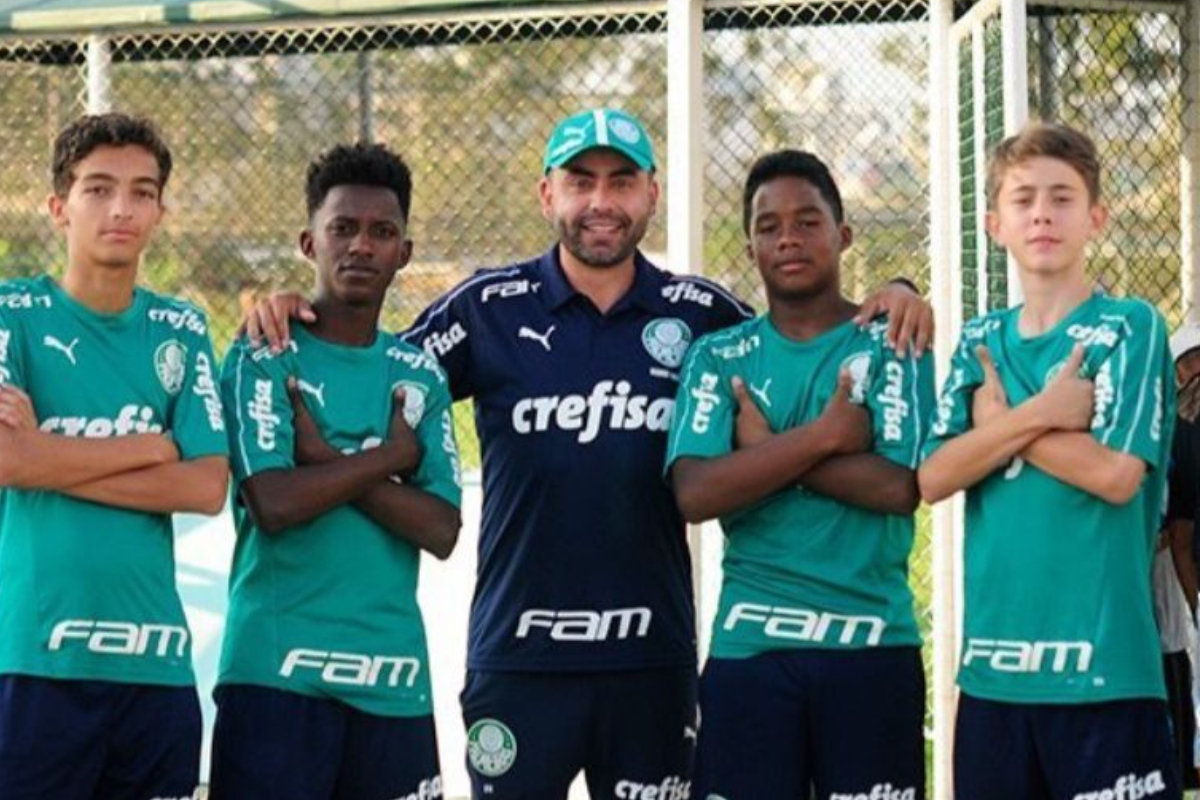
<point x="948" y="297"/>
<point x="685" y="134"/>
<point x="685" y="229"/>
<point x="99" y="74"/>
<point x="943" y="100"/>
<point x="1014" y="49"/>
<point x="1189" y="172"/>
<point x="1015" y="66"/>
<point x="979" y="143"/>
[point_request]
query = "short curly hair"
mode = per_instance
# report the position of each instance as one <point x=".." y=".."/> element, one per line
<point x="92" y="131"/>
<point x="791" y="164"/>
<point x="359" y="164"/>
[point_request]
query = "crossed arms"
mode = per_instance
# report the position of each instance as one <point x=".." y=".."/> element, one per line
<point x="829" y="455"/>
<point x="140" y="472"/>
<point x="324" y="478"/>
<point x="1049" y="431"/>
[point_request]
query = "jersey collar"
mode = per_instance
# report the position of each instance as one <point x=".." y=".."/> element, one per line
<point x="646" y="292"/>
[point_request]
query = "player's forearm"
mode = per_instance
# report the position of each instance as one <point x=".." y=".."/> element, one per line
<point x="1077" y="459"/>
<point x="965" y="460"/>
<point x="706" y="488"/>
<point x="38" y="460"/>
<point x="865" y="480"/>
<point x="418" y="517"/>
<point x="282" y="498"/>
<point x="197" y="486"/>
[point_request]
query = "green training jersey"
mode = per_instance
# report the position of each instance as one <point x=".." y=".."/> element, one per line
<point x="1057" y="581"/>
<point x="803" y="570"/>
<point x="87" y="591"/>
<point x="329" y="608"/>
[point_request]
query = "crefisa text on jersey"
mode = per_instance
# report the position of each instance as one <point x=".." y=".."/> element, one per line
<point x="610" y="405"/>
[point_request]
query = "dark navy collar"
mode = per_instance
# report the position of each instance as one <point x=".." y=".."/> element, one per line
<point x="646" y="292"/>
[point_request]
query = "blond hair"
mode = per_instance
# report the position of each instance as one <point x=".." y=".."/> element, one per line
<point x="1051" y="140"/>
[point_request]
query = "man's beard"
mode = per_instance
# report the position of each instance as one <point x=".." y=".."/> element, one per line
<point x="572" y="237"/>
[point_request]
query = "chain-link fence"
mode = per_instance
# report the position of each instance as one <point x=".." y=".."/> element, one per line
<point x="1118" y="75"/>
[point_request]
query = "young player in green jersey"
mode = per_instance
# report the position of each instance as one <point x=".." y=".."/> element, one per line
<point x="1056" y="419"/>
<point x="801" y="431"/>
<point x="343" y="449"/>
<point x="110" y="420"/>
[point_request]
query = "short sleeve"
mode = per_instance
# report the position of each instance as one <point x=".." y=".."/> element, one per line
<point x="12" y="368"/>
<point x="952" y="415"/>
<point x="901" y="400"/>
<point x="702" y="426"/>
<point x="1135" y="392"/>
<point x="439" y="472"/>
<point x="253" y="384"/>
<point x="197" y="419"/>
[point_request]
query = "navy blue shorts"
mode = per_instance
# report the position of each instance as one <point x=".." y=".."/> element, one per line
<point x="1042" y="751"/>
<point x="270" y="744"/>
<point x="842" y="723"/>
<point x="631" y="733"/>
<point x="97" y="740"/>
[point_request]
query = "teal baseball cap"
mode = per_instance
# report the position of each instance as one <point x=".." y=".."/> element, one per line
<point x="599" y="127"/>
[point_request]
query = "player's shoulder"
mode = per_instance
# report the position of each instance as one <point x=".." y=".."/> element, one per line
<point x="26" y="294"/>
<point x="734" y="343"/>
<point x="976" y="331"/>
<point x="873" y="338"/>
<point x="445" y="323"/>
<point x="696" y="291"/>
<point x="1135" y="313"/>
<point x="875" y="331"/>
<point x="39" y="284"/>
<point x="244" y="355"/>
<point x="868" y="345"/>
<point x="414" y="362"/>
<point x="173" y="316"/>
<point x="488" y="284"/>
